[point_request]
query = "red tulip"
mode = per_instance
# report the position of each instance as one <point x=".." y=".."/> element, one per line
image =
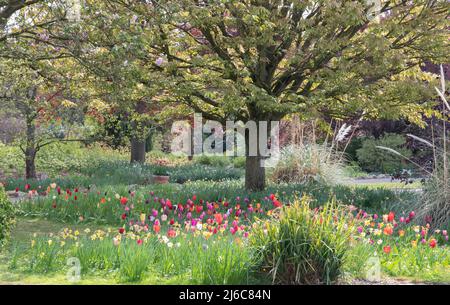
<point x="433" y="243"/>
<point x="139" y="242"/>
<point x="276" y="203"/>
<point x="121" y="230"/>
<point x="218" y="218"/>
<point x="124" y="216"/>
<point x="156" y="228"/>
<point x="391" y="216"/>
<point x="387" y="249"/>
<point x="123" y="200"/>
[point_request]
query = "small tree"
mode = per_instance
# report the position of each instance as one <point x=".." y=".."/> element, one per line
<point x="25" y="93"/>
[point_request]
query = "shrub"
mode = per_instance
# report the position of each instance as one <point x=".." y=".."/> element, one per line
<point x="239" y="162"/>
<point x="373" y="159"/>
<point x="7" y="216"/>
<point x="302" y="246"/>
<point x="214" y="160"/>
<point x="304" y="163"/>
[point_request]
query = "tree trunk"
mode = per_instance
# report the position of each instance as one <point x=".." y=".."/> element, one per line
<point x="191" y="153"/>
<point x="30" y="151"/>
<point x="138" y="140"/>
<point x="137" y="150"/>
<point x="255" y="174"/>
<point x="30" y="167"/>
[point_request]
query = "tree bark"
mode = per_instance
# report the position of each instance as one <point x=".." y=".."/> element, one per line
<point x="30" y="151"/>
<point x="137" y="150"/>
<point x="138" y="140"/>
<point x="255" y="174"/>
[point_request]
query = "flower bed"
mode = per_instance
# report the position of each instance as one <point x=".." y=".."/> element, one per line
<point x="201" y="241"/>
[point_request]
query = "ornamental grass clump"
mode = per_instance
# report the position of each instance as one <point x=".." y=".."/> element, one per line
<point x="298" y="245"/>
<point x="306" y="163"/>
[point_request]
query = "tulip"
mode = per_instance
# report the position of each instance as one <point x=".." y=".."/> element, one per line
<point x="433" y="243"/>
<point x="171" y="233"/>
<point x="391" y="217"/>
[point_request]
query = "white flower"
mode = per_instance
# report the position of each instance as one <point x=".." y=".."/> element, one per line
<point x="178" y="245"/>
<point x="170" y="245"/>
<point x="199" y="226"/>
<point x="163" y="217"/>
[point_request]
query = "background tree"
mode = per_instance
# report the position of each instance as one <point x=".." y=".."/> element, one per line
<point x="110" y="44"/>
<point x="42" y="107"/>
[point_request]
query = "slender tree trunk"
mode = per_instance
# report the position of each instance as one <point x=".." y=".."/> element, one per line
<point x="138" y="141"/>
<point x="191" y="155"/>
<point x="255" y="174"/>
<point x="137" y="150"/>
<point x="30" y="151"/>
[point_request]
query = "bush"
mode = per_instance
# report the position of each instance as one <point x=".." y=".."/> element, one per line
<point x="7" y="216"/>
<point x="239" y="162"/>
<point x="373" y="159"/>
<point x="305" y="163"/>
<point x="302" y="246"/>
<point x="213" y="160"/>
